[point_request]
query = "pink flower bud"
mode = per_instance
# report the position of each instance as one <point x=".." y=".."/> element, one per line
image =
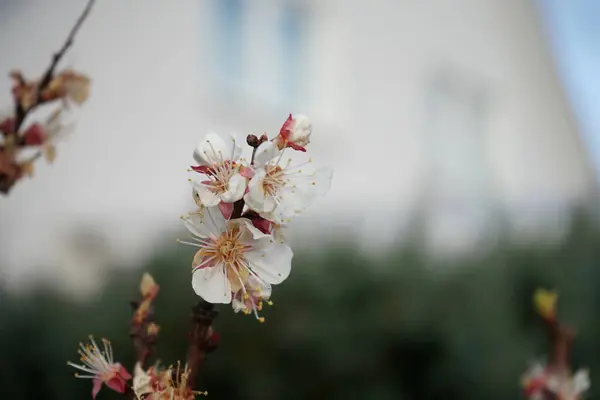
<point x="295" y="133"/>
<point x="35" y="135"/>
<point x="7" y="126"/>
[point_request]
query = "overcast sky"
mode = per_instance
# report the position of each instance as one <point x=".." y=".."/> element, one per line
<point x="575" y="36"/>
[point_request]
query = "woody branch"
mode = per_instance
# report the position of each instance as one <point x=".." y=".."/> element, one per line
<point x="21" y="112"/>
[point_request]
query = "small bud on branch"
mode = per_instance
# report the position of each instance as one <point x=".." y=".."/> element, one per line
<point x="553" y="381"/>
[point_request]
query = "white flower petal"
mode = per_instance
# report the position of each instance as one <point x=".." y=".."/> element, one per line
<point x="581" y="382"/>
<point x="258" y="288"/>
<point x="301" y="130"/>
<point x="212" y="284"/>
<point x="238" y="305"/>
<point x="207" y="197"/>
<point x="236" y="189"/>
<point x="280" y="233"/>
<point x="271" y="261"/>
<point x="256" y="198"/>
<point x="141" y="381"/>
<point x="265" y="291"/>
<point x="138" y="371"/>
<point x="235" y="149"/>
<point x="295" y="199"/>
<point x="211" y="150"/>
<point x="209" y="224"/>
<point x="265" y="153"/>
<point x="194" y="223"/>
<point x="215" y="150"/>
<point x="250" y="232"/>
<point x="292" y="201"/>
<point x="214" y="220"/>
<point x="322" y="180"/>
<point x="299" y="192"/>
<point x="553" y="383"/>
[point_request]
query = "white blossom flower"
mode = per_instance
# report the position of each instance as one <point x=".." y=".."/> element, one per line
<point x="281" y="190"/>
<point x="295" y="133"/>
<point x="229" y="252"/>
<point x="265" y="224"/>
<point x="250" y="298"/>
<point x="581" y="382"/>
<point x="218" y="160"/>
<point x="534" y="381"/>
<point x="100" y="367"/>
<point x="540" y="379"/>
<point x="569" y="387"/>
<point x="159" y="384"/>
<point x="280" y="232"/>
<point x="142" y="381"/>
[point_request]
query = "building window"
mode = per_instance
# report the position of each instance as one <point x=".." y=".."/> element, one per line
<point x="260" y="51"/>
<point x="455" y="138"/>
<point x="458" y="195"/>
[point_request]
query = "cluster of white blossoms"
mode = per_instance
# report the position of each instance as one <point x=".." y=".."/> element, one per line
<point x="163" y="383"/>
<point x="543" y="382"/>
<point x="243" y="209"/>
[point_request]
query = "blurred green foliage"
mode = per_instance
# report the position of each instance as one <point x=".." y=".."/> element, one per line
<point x="342" y="327"/>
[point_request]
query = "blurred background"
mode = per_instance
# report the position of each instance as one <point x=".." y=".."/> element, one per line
<point x="464" y="138"/>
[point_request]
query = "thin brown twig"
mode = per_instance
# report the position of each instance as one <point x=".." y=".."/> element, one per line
<point x="8" y="177"/>
<point x="561" y="337"/>
<point x="68" y="43"/>
<point x="20" y="112"/>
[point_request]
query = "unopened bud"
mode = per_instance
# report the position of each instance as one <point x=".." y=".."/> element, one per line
<point x="295" y="133"/>
<point x="213" y="341"/>
<point x="148" y="286"/>
<point x="152" y="329"/>
<point x="252" y="140"/>
<point x="7" y="126"/>
<point x="35" y="135"/>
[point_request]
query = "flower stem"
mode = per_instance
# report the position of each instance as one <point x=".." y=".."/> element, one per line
<point x="202" y="339"/>
<point x="562" y="337"/>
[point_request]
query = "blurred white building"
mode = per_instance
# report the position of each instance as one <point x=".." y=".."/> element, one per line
<point x="448" y="110"/>
<point x="451" y="110"/>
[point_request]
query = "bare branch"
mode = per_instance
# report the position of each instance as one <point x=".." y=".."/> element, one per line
<point x="68" y="43"/>
<point x="20" y="112"/>
<point x="10" y="169"/>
